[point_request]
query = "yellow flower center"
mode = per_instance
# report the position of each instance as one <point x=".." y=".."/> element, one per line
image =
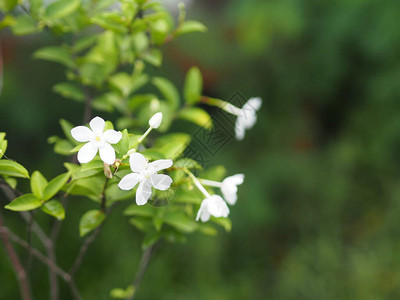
<point x="98" y="138"/>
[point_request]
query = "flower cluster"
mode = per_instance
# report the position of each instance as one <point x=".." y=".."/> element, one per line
<point x="145" y="173"/>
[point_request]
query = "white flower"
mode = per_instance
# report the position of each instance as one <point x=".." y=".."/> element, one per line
<point x="155" y="120"/>
<point x="229" y="187"/>
<point x="98" y="140"/>
<point x="145" y="174"/>
<point x="212" y="206"/>
<point x="247" y="117"/>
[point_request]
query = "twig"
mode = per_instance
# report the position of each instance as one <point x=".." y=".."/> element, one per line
<point x="82" y="251"/>
<point x="87" y="115"/>
<point x="22" y="278"/>
<point x="44" y="259"/>
<point x="144" y="262"/>
<point x="11" y="194"/>
<point x="90" y="239"/>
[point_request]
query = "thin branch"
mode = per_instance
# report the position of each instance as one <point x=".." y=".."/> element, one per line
<point x="45" y="240"/>
<point x="144" y="263"/>
<point x="87" y="115"/>
<point x="44" y="259"/>
<point x="82" y="251"/>
<point x="90" y="239"/>
<point x="22" y="278"/>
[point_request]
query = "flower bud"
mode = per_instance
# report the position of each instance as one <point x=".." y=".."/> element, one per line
<point x="156" y="120"/>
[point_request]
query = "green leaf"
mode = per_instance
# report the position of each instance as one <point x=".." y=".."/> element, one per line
<point x="141" y="211"/>
<point x="187" y="163"/>
<point x="38" y="184"/>
<point x="55" y="54"/>
<point x="196" y="115"/>
<point x="224" y="222"/>
<point x="8" y="5"/>
<point x="119" y="293"/>
<point x="153" y="57"/>
<point x="8" y="20"/>
<point x="24" y="203"/>
<point x="69" y="90"/>
<point x="216" y="173"/>
<point x="172" y="145"/>
<point x="90" y="221"/>
<point x="143" y="224"/>
<point x="193" y="86"/>
<point x="3" y="144"/>
<point x="190" y="26"/>
<point x="55" y="185"/>
<point x="66" y="128"/>
<point x="168" y="90"/>
<point x="123" y="144"/>
<point x="12" y="169"/>
<point x="25" y="25"/>
<point x="61" y="8"/>
<point x="150" y="239"/>
<point x="54" y="208"/>
<point x="180" y="221"/>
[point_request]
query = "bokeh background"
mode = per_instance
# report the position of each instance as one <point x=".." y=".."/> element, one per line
<point x="318" y="215"/>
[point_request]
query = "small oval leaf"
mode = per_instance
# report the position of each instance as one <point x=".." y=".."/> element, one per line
<point x="24" y="203"/>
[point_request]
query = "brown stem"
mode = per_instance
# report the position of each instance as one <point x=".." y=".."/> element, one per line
<point x="87" y="115"/>
<point x="90" y="239"/>
<point x="82" y="251"/>
<point x="144" y="262"/>
<point x="44" y="259"/>
<point x="22" y="277"/>
<point x="32" y="225"/>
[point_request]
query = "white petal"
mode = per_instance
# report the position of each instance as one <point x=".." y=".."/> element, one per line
<point x="160" y="164"/>
<point x="137" y="162"/>
<point x="236" y="179"/>
<point x="160" y="181"/>
<point x="254" y="103"/>
<point x="111" y="136"/>
<point x="143" y="192"/>
<point x="97" y="124"/>
<point x="217" y="206"/>
<point x="239" y="129"/>
<point x="203" y="213"/>
<point x="87" y="153"/>
<point x="155" y="120"/>
<point x="82" y="134"/>
<point x="129" y="181"/>
<point x="229" y="195"/>
<point x="107" y="153"/>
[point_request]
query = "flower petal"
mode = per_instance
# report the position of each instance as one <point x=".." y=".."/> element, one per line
<point x="230" y="195"/>
<point x="111" y="136"/>
<point x="203" y="213"/>
<point x="107" y="153"/>
<point x="160" y="181"/>
<point x="97" y="124"/>
<point x="82" y="134"/>
<point x="137" y="162"/>
<point x="87" y="153"/>
<point x="239" y="129"/>
<point x="129" y="181"/>
<point x="236" y="179"/>
<point x="254" y="103"/>
<point x="143" y="192"/>
<point x="160" y="164"/>
<point x="217" y="206"/>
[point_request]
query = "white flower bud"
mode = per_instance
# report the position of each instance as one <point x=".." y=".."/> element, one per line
<point x="156" y="120"/>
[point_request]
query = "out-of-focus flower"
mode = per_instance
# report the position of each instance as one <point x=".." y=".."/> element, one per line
<point x="212" y="206"/>
<point x="247" y="117"/>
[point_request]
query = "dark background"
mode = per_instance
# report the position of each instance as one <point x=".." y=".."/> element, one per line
<point x="317" y="216"/>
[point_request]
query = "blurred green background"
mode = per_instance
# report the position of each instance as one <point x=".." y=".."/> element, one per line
<point x="317" y="216"/>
